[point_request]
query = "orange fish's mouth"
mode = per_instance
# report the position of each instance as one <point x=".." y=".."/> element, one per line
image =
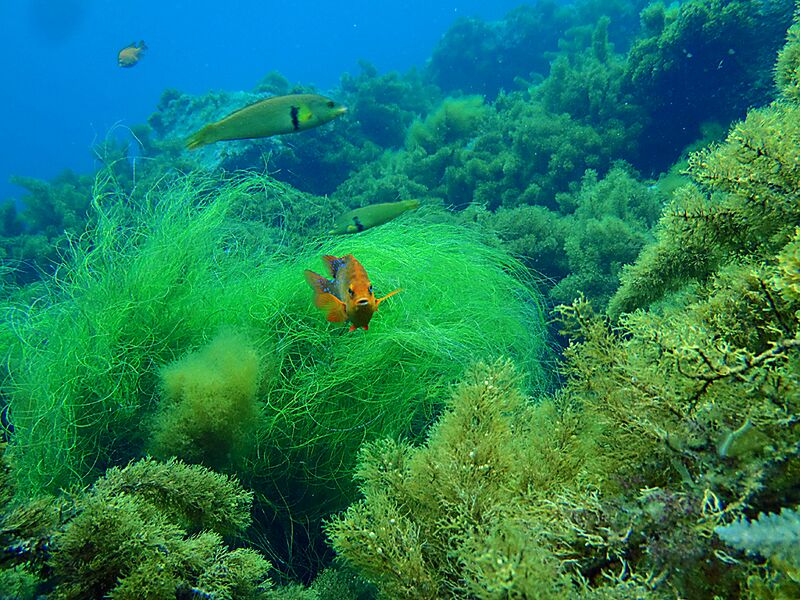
<point x="363" y="302"/>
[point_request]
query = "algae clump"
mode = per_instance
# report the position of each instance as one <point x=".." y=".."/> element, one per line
<point x="467" y="514"/>
<point x="160" y="275"/>
<point x="209" y="408"/>
<point x="149" y="530"/>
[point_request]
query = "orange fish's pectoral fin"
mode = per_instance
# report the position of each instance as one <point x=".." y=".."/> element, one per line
<point x="324" y="298"/>
<point x="354" y="327"/>
<point x="336" y="309"/>
<point x="389" y="295"/>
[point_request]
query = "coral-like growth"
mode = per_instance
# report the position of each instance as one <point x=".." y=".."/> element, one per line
<point x="725" y="45"/>
<point x="455" y="120"/>
<point x="453" y="518"/>
<point x="787" y="69"/>
<point x="209" y="407"/>
<point x="153" y="530"/>
<point x="775" y="536"/>
<point x="754" y="206"/>
<point x="698" y="397"/>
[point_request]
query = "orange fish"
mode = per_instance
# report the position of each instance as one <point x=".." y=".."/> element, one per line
<point x="349" y="295"/>
<point x="131" y="54"/>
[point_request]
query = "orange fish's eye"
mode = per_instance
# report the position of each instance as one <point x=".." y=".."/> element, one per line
<point x="351" y="291"/>
<point x="370" y="288"/>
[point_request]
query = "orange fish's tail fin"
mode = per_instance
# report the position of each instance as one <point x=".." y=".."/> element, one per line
<point x="379" y="300"/>
<point x="201" y="138"/>
<point x="324" y="298"/>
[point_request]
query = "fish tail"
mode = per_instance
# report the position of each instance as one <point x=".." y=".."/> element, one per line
<point x="142" y="45"/>
<point x="201" y="138"/>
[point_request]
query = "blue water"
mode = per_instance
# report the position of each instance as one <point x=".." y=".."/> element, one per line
<point x="62" y="88"/>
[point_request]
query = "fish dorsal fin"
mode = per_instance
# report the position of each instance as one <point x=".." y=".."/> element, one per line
<point x="334" y="263"/>
<point x="319" y="284"/>
<point x="246" y="106"/>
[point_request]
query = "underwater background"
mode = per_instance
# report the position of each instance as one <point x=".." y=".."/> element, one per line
<point x="59" y="60"/>
<point x="580" y="222"/>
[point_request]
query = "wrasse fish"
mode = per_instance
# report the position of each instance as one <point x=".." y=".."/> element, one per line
<point x="371" y="215"/>
<point x="131" y="54"/>
<point x="349" y="296"/>
<point x="271" y="116"/>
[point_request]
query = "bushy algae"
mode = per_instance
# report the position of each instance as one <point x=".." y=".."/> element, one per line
<point x="157" y="279"/>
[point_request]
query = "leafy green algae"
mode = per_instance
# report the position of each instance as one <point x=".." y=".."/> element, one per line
<point x="159" y="277"/>
<point x="678" y="415"/>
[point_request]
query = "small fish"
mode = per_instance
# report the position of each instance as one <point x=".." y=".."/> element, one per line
<point x="131" y="54"/>
<point x="271" y="116"/>
<point x="349" y="295"/>
<point x="371" y="215"/>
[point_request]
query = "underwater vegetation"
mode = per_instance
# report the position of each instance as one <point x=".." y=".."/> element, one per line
<point x="126" y="351"/>
<point x="676" y="426"/>
<point x="728" y="46"/>
<point x="175" y="333"/>
<point x="148" y="530"/>
<point x="209" y="408"/>
<point x="475" y="57"/>
<point x="32" y="240"/>
<point x="458" y="517"/>
<point x="613" y="85"/>
<point x="600" y="225"/>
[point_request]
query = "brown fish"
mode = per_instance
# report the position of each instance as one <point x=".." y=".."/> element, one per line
<point x="131" y="54"/>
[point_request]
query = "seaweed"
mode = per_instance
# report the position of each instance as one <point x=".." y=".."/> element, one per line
<point x="154" y="530"/>
<point x="728" y="46"/>
<point x="450" y="518"/>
